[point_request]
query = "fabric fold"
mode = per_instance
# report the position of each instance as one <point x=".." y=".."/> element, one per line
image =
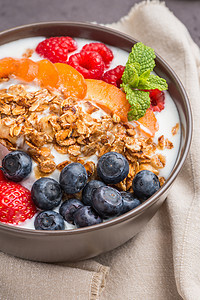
<point x="22" y="279"/>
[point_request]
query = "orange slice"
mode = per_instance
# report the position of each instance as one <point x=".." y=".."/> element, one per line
<point x="47" y="73"/>
<point x="7" y="66"/>
<point x="107" y="96"/>
<point x="26" y="70"/>
<point x="149" y="123"/>
<point x="72" y="82"/>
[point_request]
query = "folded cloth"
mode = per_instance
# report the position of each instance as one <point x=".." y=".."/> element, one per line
<point x="163" y="261"/>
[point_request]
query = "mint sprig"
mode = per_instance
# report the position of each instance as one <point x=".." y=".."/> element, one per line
<point x="137" y="78"/>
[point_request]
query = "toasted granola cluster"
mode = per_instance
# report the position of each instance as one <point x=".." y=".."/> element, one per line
<point x="42" y="120"/>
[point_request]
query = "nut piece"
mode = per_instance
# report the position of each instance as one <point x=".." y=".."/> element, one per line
<point x="69" y="114"/>
<point x="162" y="180"/>
<point x="28" y="53"/>
<point x="158" y="161"/>
<point x="168" y="144"/>
<point x="63" y="164"/>
<point x="175" y="129"/>
<point x="90" y="168"/>
<point x="47" y="166"/>
<point x="89" y="107"/>
<point x="149" y="168"/>
<point x="89" y="150"/>
<point x="74" y="150"/>
<point x="161" y="142"/>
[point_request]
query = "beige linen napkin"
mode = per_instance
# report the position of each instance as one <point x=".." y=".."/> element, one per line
<point x="163" y="261"/>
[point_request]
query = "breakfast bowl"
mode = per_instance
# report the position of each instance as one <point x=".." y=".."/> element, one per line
<point x="86" y="242"/>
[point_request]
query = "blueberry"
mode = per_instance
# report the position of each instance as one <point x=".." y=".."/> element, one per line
<point x="86" y="216"/>
<point x="107" y="201"/>
<point x="112" y="167"/>
<point x="17" y="165"/>
<point x="145" y="184"/>
<point x="49" y="220"/>
<point x="68" y="208"/>
<point x="89" y="189"/>
<point x="129" y="201"/>
<point x="46" y="193"/>
<point x="73" y="178"/>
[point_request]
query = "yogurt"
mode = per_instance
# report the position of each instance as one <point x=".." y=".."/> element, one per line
<point x="167" y="118"/>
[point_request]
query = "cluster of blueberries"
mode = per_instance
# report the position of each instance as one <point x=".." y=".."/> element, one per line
<point x="100" y="201"/>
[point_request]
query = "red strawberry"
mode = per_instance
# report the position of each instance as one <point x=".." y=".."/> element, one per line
<point x="15" y="203"/>
<point x="56" y="49"/>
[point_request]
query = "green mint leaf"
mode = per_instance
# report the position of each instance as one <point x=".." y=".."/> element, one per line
<point x="137" y="77"/>
<point x="152" y="83"/>
<point x="143" y="79"/>
<point x="139" y="102"/>
<point x="142" y="55"/>
<point x="130" y="75"/>
<point x="145" y="75"/>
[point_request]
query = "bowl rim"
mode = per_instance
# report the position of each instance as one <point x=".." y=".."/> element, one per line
<point x="176" y="169"/>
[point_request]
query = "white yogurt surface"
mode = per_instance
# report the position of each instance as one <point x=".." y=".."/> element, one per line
<point x="167" y="118"/>
<point x="17" y="48"/>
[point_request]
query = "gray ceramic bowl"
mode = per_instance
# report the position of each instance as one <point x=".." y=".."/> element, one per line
<point x="77" y="244"/>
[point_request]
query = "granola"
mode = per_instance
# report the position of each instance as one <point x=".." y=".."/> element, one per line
<point x="46" y="121"/>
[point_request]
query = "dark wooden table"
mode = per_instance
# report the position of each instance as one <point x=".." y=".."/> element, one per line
<point x="18" y="12"/>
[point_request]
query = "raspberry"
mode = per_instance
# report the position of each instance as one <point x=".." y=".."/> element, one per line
<point x="88" y="63"/>
<point x="157" y="100"/>
<point x="16" y="204"/>
<point x="114" y="76"/>
<point x="56" y="49"/>
<point x="102" y="49"/>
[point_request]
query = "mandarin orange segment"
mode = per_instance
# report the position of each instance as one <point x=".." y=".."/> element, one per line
<point x="26" y="70"/>
<point x="47" y="73"/>
<point x="149" y="122"/>
<point x="71" y="81"/>
<point x="7" y="66"/>
<point x="107" y="96"/>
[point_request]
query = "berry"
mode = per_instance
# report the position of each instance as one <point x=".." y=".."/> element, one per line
<point x="73" y="178"/>
<point x="88" y="63"/>
<point x="46" y="193"/>
<point x="107" y="201"/>
<point x="16" y="204"/>
<point x="129" y="201"/>
<point x="114" y="76"/>
<point x="16" y="165"/>
<point x="89" y="189"/>
<point x="145" y="184"/>
<point x="102" y="49"/>
<point x="86" y="216"/>
<point x="112" y="167"/>
<point x="56" y="49"/>
<point x="68" y="208"/>
<point x="157" y="100"/>
<point x="49" y="220"/>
